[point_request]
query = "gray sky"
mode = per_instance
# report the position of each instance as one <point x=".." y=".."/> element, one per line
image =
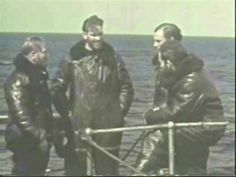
<point x="194" y="17"/>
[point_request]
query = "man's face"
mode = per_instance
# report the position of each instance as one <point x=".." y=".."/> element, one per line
<point x="40" y="55"/>
<point x="94" y="37"/>
<point x="159" y="39"/>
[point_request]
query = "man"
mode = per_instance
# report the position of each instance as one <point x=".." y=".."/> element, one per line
<point x="184" y="93"/>
<point x="26" y="91"/>
<point x="99" y="96"/>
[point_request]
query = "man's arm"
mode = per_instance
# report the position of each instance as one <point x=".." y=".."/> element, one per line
<point x="61" y="124"/>
<point x="126" y="89"/>
<point x="181" y="105"/>
<point x="59" y="86"/>
<point x="187" y="106"/>
<point x="17" y="100"/>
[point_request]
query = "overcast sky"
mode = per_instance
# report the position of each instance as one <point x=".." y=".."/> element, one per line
<point x="194" y="17"/>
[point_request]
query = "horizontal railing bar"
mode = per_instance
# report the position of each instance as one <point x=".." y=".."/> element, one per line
<point x="4" y="118"/>
<point x="5" y="63"/>
<point x="159" y="126"/>
<point x="145" y="127"/>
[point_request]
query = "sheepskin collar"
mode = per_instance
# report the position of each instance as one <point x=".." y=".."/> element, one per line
<point x="188" y="65"/>
<point x="36" y="73"/>
<point x="106" y="53"/>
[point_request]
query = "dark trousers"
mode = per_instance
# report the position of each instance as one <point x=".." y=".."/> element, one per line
<point x="190" y="159"/>
<point x="29" y="162"/>
<point x="75" y="162"/>
<point x="28" y="158"/>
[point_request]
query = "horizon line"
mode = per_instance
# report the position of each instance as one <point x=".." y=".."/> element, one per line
<point x="74" y="33"/>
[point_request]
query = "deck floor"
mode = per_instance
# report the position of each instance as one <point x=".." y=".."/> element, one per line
<point x="55" y="167"/>
<point x="56" y="164"/>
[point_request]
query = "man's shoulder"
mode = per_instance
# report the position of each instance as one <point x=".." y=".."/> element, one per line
<point x="17" y="77"/>
<point x="192" y="78"/>
<point x="197" y="81"/>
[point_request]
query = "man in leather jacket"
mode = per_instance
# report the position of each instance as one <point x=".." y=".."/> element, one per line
<point x="91" y="89"/>
<point x="30" y="116"/>
<point x="183" y="93"/>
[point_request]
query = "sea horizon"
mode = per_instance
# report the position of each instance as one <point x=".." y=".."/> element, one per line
<point x="110" y="34"/>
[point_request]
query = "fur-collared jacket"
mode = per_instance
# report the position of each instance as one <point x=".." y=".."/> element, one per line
<point x="189" y="96"/>
<point x="92" y="88"/>
<point x="183" y="93"/>
<point x="29" y="105"/>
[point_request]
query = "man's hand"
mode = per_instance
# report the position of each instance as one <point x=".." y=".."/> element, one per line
<point x="148" y="115"/>
<point x="43" y="145"/>
<point x="59" y="141"/>
<point x="154" y="116"/>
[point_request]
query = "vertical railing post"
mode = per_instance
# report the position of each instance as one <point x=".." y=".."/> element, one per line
<point x="89" y="163"/>
<point x="171" y="148"/>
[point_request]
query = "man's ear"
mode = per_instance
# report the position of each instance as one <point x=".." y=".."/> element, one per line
<point x="85" y="36"/>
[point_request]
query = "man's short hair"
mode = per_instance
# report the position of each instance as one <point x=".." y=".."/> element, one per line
<point x="92" y="22"/>
<point x="170" y="30"/>
<point x="33" y="43"/>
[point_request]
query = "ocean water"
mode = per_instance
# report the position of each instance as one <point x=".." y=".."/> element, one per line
<point x="137" y="52"/>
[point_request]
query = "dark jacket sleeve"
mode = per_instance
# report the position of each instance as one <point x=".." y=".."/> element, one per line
<point x="180" y="105"/>
<point x="17" y="100"/>
<point x="126" y="88"/>
<point x="61" y="125"/>
<point x="187" y="105"/>
<point x="59" y="86"/>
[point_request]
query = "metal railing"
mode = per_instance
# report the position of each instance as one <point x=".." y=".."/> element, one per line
<point x="170" y="125"/>
<point x="5" y="63"/>
<point x="87" y="135"/>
